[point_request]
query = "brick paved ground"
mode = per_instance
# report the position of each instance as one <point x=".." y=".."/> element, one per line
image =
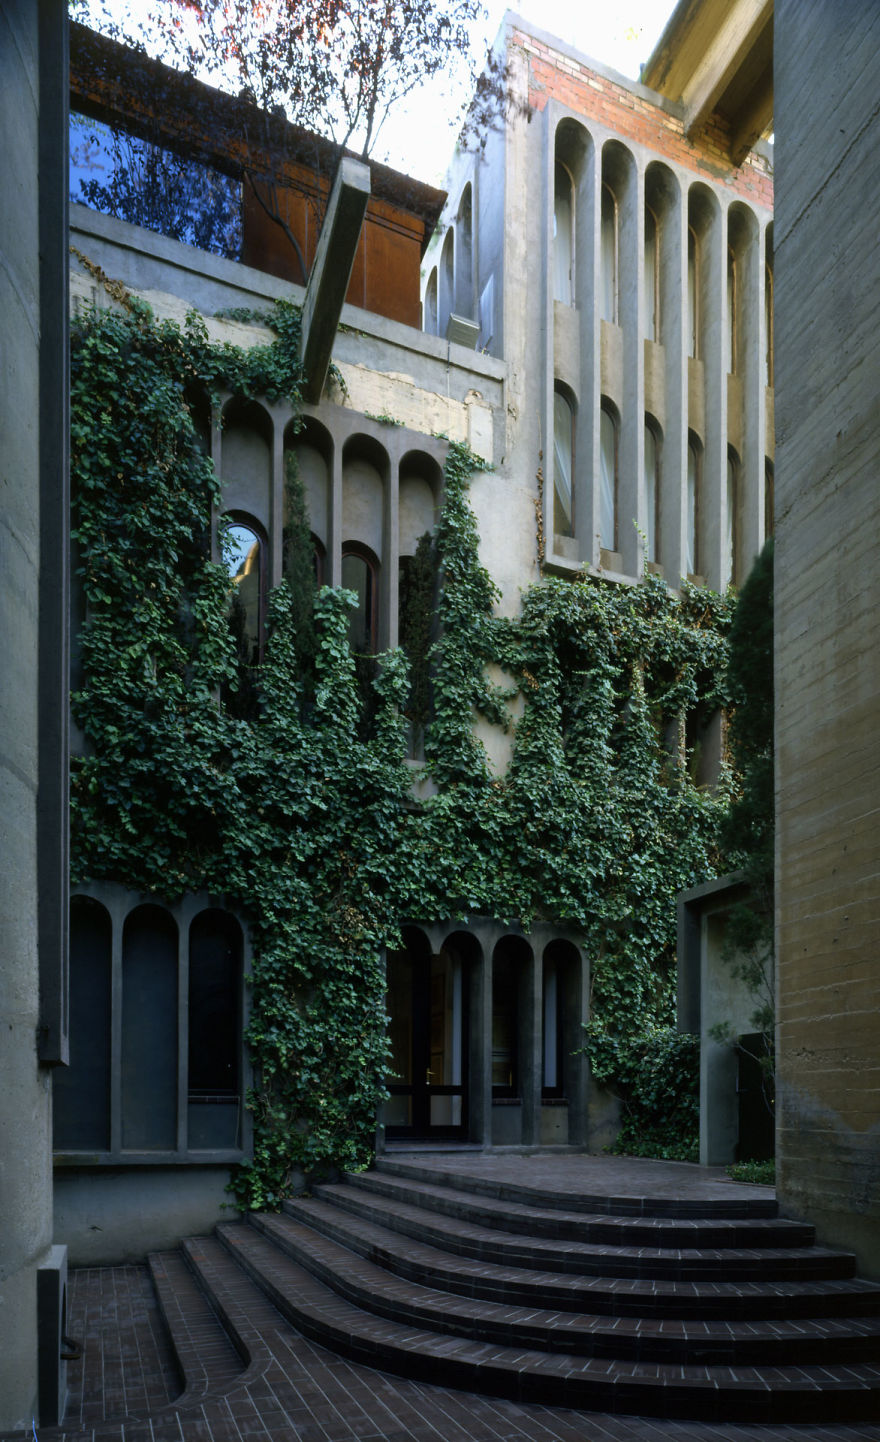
<point x="303" y="1393"/>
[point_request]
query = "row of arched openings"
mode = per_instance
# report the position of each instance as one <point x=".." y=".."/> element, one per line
<point x="617" y="206"/>
<point x="156" y="1050"/>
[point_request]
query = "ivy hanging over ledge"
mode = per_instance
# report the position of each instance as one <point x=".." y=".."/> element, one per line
<point x="300" y="817"/>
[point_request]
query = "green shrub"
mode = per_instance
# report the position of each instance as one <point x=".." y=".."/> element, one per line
<point x="656" y="1075"/>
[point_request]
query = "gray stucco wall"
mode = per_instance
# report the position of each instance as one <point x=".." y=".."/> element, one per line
<point x="25" y="1101"/>
<point x="827" y="604"/>
<point x="113" y="1214"/>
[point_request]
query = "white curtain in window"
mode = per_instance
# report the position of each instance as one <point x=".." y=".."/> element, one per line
<point x="690" y="555"/>
<point x="607" y="481"/>
<point x="563" y="289"/>
<point x="562" y="465"/>
<point x="650" y="275"/>
<point x="650" y="495"/>
<point x="608" y="257"/>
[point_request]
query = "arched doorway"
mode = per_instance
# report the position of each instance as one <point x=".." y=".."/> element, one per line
<point x="427" y="1005"/>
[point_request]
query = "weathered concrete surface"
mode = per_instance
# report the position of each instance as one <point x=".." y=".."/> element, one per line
<point x="25" y="1155"/>
<point x="110" y="1215"/>
<point x="827" y="629"/>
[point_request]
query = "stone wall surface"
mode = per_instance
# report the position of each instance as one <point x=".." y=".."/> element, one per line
<point x="827" y="603"/>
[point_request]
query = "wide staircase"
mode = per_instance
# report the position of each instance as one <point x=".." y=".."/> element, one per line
<point x="657" y="1306"/>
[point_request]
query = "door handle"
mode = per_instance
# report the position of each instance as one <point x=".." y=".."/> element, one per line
<point x="428" y="1075"/>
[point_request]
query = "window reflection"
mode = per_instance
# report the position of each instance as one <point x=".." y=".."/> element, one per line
<point x="244" y="559"/>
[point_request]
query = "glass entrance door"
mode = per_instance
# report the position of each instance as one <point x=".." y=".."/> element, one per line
<point x="425" y="1001"/>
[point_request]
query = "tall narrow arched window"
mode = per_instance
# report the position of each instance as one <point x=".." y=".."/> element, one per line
<point x="464" y="260"/>
<point x="768" y="326"/>
<point x="244" y="554"/>
<point x="563" y="465"/>
<point x="214" y="1042"/>
<point x="692" y="520"/>
<point x="608" y="277"/>
<point x="730" y="519"/>
<point x="446" y="300"/>
<point x="360" y="573"/>
<point x="730" y="310"/>
<point x="652" y="275"/>
<point x="82" y="1090"/>
<point x="651" y="491"/>
<point x="607" y="479"/>
<point x="693" y="295"/>
<point x="149" y="1031"/>
<point x="769" y="500"/>
<point x="563" y="236"/>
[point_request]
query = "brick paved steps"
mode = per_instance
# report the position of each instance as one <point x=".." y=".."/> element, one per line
<point x="764" y="1394"/>
<point x="600" y="1228"/>
<point x="733" y="1300"/>
<point x="373" y="1289"/>
<point x="483" y="1243"/>
<point x="734" y="1202"/>
<point x="208" y="1360"/>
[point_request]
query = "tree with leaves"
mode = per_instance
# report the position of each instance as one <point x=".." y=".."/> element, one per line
<point x="302" y="80"/>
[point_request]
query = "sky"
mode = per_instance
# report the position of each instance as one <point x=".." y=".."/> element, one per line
<point x="619" y="33"/>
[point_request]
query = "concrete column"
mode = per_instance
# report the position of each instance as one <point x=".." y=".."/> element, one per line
<point x="276" y="499"/>
<point x="673" y="337"/>
<point x="750" y="352"/>
<point x="712" y="280"/>
<point x="631" y="248"/>
<point x="33" y="310"/>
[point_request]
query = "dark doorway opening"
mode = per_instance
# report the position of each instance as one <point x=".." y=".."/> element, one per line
<point x="427" y="1006"/>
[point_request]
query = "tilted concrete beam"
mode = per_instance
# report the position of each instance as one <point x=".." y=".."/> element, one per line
<point x="331" y="272"/>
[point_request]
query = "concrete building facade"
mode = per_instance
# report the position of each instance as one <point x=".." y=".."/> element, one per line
<point x="827" y="672"/>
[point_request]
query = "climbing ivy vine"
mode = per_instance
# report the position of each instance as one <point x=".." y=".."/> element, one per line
<point x="293" y="812"/>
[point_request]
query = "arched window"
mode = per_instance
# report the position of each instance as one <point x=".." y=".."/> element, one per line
<point x="608" y="278"/>
<point x="651" y="491"/>
<point x="769" y="500"/>
<point x="692" y="557"/>
<point x="81" y="1102"/>
<point x="360" y="573"/>
<point x="731" y="517"/>
<point x="607" y="479"/>
<point x="447" y="281"/>
<point x="563" y="464"/>
<point x="730" y="314"/>
<point x="652" y="275"/>
<point x="214" y="1042"/>
<point x="244" y="553"/>
<point x="693" y="295"/>
<point x="563" y="236"/>
<point x="464" y="265"/>
<point x="149" y="1031"/>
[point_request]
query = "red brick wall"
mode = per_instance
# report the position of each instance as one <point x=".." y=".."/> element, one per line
<point x="554" y="76"/>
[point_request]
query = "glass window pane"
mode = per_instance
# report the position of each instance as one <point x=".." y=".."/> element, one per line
<point x="690" y="564"/>
<point x="650" y="275"/>
<point x="650" y="495"/>
<point x="357" y="576"/>
<point x="730" y="523"/>
<point x="149" y="1031"/>
<point x="608" y="258"/>
<point x="243" y="555"/>
<point x="607" y="481"/>
<point x="692" y="295"/>
<point x="563" y="446"/>
<point x="214" y="1030"/>
<point x="81" y="1104"/>
<point x="562" y="237"/>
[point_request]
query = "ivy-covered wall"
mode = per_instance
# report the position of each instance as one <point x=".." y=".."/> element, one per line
<point x="301" y="817"/>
